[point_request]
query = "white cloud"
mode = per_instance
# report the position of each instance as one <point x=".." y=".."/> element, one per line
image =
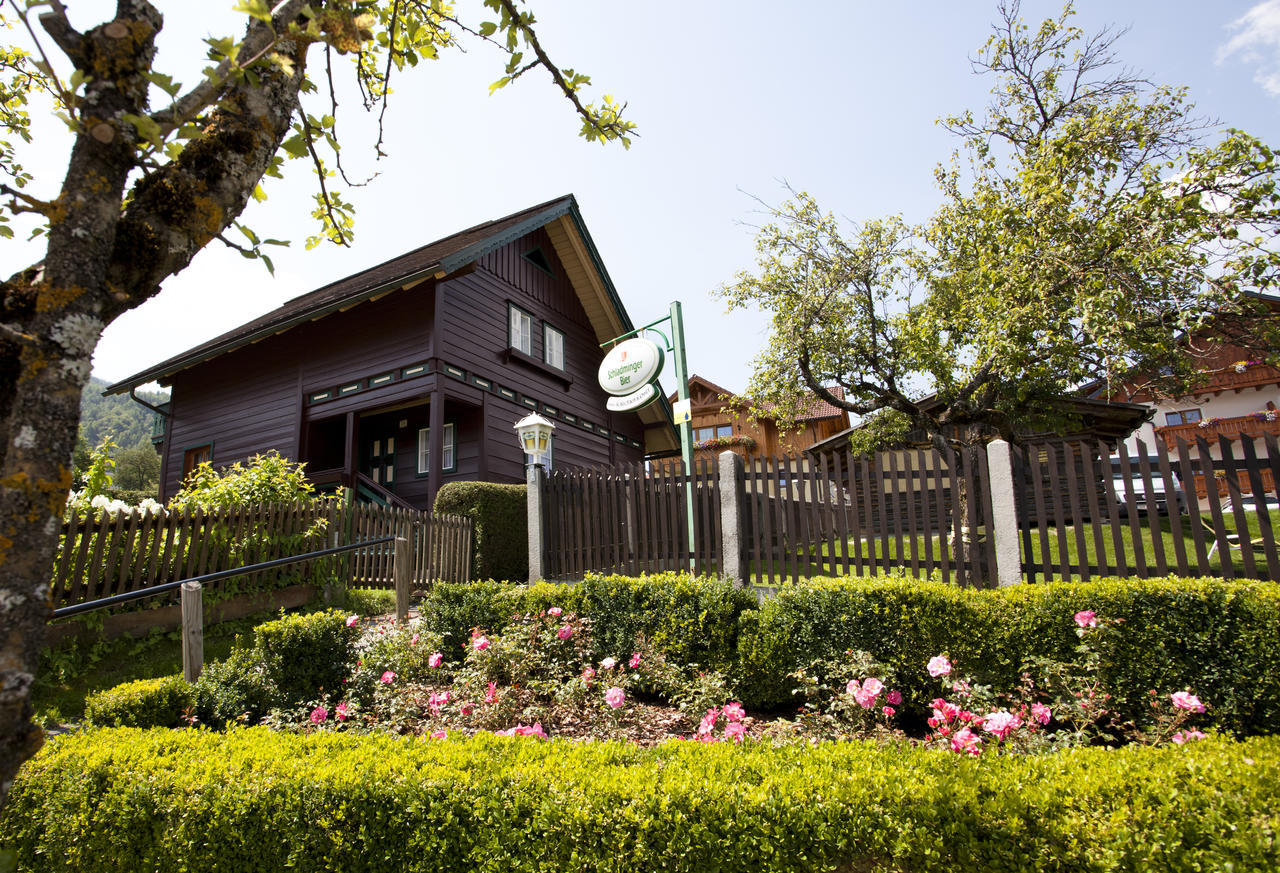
<point x="1256" y="39"/>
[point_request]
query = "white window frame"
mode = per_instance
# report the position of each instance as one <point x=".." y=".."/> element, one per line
<point x="553" y="352"/>
<point x="448" y="455"/>
<point x="519" y="329"/>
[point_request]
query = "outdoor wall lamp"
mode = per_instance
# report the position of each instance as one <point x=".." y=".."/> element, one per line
<point x="534" y="433"/>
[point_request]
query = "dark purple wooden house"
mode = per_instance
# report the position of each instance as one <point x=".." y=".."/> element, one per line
<point x="413" y="373"/>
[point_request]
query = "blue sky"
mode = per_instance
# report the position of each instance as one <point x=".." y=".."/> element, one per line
<point x="732" y="96"/>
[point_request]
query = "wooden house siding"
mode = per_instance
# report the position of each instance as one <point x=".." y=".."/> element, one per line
<point x="256" y="398"/>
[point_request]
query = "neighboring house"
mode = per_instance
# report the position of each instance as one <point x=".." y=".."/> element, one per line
<point x="413" y="373"/>
<point x="1239" y="399"/>
<point x="720" y="421"/>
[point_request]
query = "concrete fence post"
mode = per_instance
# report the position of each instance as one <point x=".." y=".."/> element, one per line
<point x="732" y="518"/>
<point x="402" y="571"/>
<point x="1004" y="514"/>
<point x="192" y="631"/>
<point x="535" y="477"/>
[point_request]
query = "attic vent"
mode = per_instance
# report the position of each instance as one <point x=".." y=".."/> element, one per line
<point x="539" y="260"/>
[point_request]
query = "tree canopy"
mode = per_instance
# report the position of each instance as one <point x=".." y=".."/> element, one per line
<point x="148" y="185"/>
<point x="1088" y="223"/>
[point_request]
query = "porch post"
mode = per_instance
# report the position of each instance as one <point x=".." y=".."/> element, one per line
<point x="732" y="503"/>
<point x="435" y="450"/>
<point x="1004" y="516"/>
<point x="535" y="479"/>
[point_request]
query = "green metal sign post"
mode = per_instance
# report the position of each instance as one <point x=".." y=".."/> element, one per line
<point x="675" y="346"/>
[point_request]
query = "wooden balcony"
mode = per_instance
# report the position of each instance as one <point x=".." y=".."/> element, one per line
<point x="1231" y="428"/>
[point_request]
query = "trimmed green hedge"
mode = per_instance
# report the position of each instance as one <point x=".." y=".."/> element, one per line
<point x="125" y="799"/>
<point x="304" y="654"/>
<point x="1220" y="639"/>
<point x="500" y="526"/>
<point x="144" y="703"/>
<point x="693" y="620"/>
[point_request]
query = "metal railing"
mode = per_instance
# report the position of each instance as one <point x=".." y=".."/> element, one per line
<point x="192" y="588"/>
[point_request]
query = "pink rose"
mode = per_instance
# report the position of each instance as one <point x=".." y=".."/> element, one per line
<point x="635" y="660"/>
<point x="734" y="711"/>
<point x="939" y="666"/>
<point x="1041" y="713"/>
<point x="609" y="663"/>
<point x="435" y="660"/>
<point x="565" y="632"/>
<point x="534" y="730"/>
<point x="353" y="620"/>
<point x="888" y="711"/>
<point x="966" y="741"/>
<point x="1001" y="723"/>
<point x="341" y="713"/>
<point x="492" y="694"/>
<point x="1186" y="700"/>
<point x="440" y="735"/>
<point x="853" y="688"/>
<point x="437" y="700"/>
<point x="588" y="673"/>
<point x="873" y="686"/>
<point x="895" y="698"/>
<point x="480" y="643"/>
<point x="614" y="697"/>
<point x="413" y="640"/>
<point x="1187" y="736"/>
<point x="387" y="678"/>
<point x="555" y="610"/>
<point x="735" y="730"/>
<point x="319" y="714"/>
<point x="1086" y="618"/>
<point x="708" y="723"/>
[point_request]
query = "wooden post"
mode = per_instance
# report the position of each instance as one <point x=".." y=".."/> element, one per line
<point x="192" y="631"/>
<point x="403" y="571"/>
<point x="1004" y="522"/>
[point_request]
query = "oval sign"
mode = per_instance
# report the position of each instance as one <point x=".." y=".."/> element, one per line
<point x="629" y="365"/>
<point x="643" y="397"/>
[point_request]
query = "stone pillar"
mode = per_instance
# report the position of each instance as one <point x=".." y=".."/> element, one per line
<point x="1004" y="515"/>
<point x="732" y="519"/>
<point x="535" y="477"/>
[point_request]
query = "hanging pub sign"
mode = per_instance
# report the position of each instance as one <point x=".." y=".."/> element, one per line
<point x="631" y="402"/>
<point x="630" y="366"/>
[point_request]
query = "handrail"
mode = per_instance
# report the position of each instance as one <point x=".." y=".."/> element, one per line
<point x="90" y="605"/>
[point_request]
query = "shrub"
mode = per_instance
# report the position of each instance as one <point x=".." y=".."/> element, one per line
<point x="144" y="703"/>
<point x="500" y="526"/>
<point x="122" y="799"/>
<point x="692" y="620"/>
<point x="303" y="655"/>
<point x="234" y="690"/>
<point x="1220" y="638"/>
<point x="370" y="601"/>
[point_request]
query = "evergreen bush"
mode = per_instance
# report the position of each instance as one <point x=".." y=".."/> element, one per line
<point x="500" y="526"/>
<point x="304" y="655"/>
<point x="144" y="703"/>
<point x="252" y="799"/>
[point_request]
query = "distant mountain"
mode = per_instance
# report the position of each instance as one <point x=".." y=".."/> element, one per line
<point x="128" y="423"/>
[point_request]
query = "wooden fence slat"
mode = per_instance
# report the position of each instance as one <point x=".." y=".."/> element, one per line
<point x="1037" y="472"/>
<point x="1263" y="516"/>
<point x="1140" y="568"/>
<point x="1056" y="471"/>
<point x="1153" y="511"/>
<point x="843" y="494"/>
<point x="1226" y="565"/>
<point x="899" y="557"/>
<point x="1248" y="564"/>
<point x="1095" y="515"/>
<point x="940" y="502"/>
<point x="1075" y="506"/>
<point x="914" y="491"/>
<point x="974" y="548"/>
<point x="957" y="520"/>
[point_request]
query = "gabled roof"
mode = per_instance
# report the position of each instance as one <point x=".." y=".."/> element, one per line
<point x="817" y="408"/>
<point x="573" y="245"/>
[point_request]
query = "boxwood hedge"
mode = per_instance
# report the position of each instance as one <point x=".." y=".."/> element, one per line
<point x="500" y="524"/>
<point x="250" y="799"/>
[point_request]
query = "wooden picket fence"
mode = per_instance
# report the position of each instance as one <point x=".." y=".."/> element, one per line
<point x="930" y="514"/>
<point x="1076" y="524"/>
<point x="803" y="518"/>
<point x="103" y="554"/>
